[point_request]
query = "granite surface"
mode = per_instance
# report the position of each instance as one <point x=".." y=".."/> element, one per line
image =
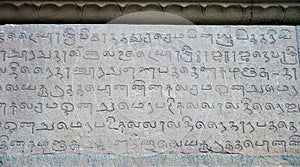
<point x="139" y="94"/>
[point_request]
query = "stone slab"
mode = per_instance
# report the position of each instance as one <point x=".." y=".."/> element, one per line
<point x="287" y="160"/>
<point x="149" y="90"/>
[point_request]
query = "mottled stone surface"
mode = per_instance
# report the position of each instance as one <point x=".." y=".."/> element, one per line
<point x="286" y="160"/>
<point x="144" y="90"/>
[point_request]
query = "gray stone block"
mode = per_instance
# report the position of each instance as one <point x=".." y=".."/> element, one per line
<point x="149" y="91"/>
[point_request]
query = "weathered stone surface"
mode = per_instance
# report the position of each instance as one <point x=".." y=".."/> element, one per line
<point x="141" y="89"/>
<point x="287" y="160"/>
<point x="199" y="12"/>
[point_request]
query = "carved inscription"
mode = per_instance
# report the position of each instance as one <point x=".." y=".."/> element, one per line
<point x="145" y="89"/>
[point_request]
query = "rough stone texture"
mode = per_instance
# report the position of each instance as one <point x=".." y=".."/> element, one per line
<point x="199" y="12"/>
<point x="177" y="160"/>
<point x="149" y="90"/>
